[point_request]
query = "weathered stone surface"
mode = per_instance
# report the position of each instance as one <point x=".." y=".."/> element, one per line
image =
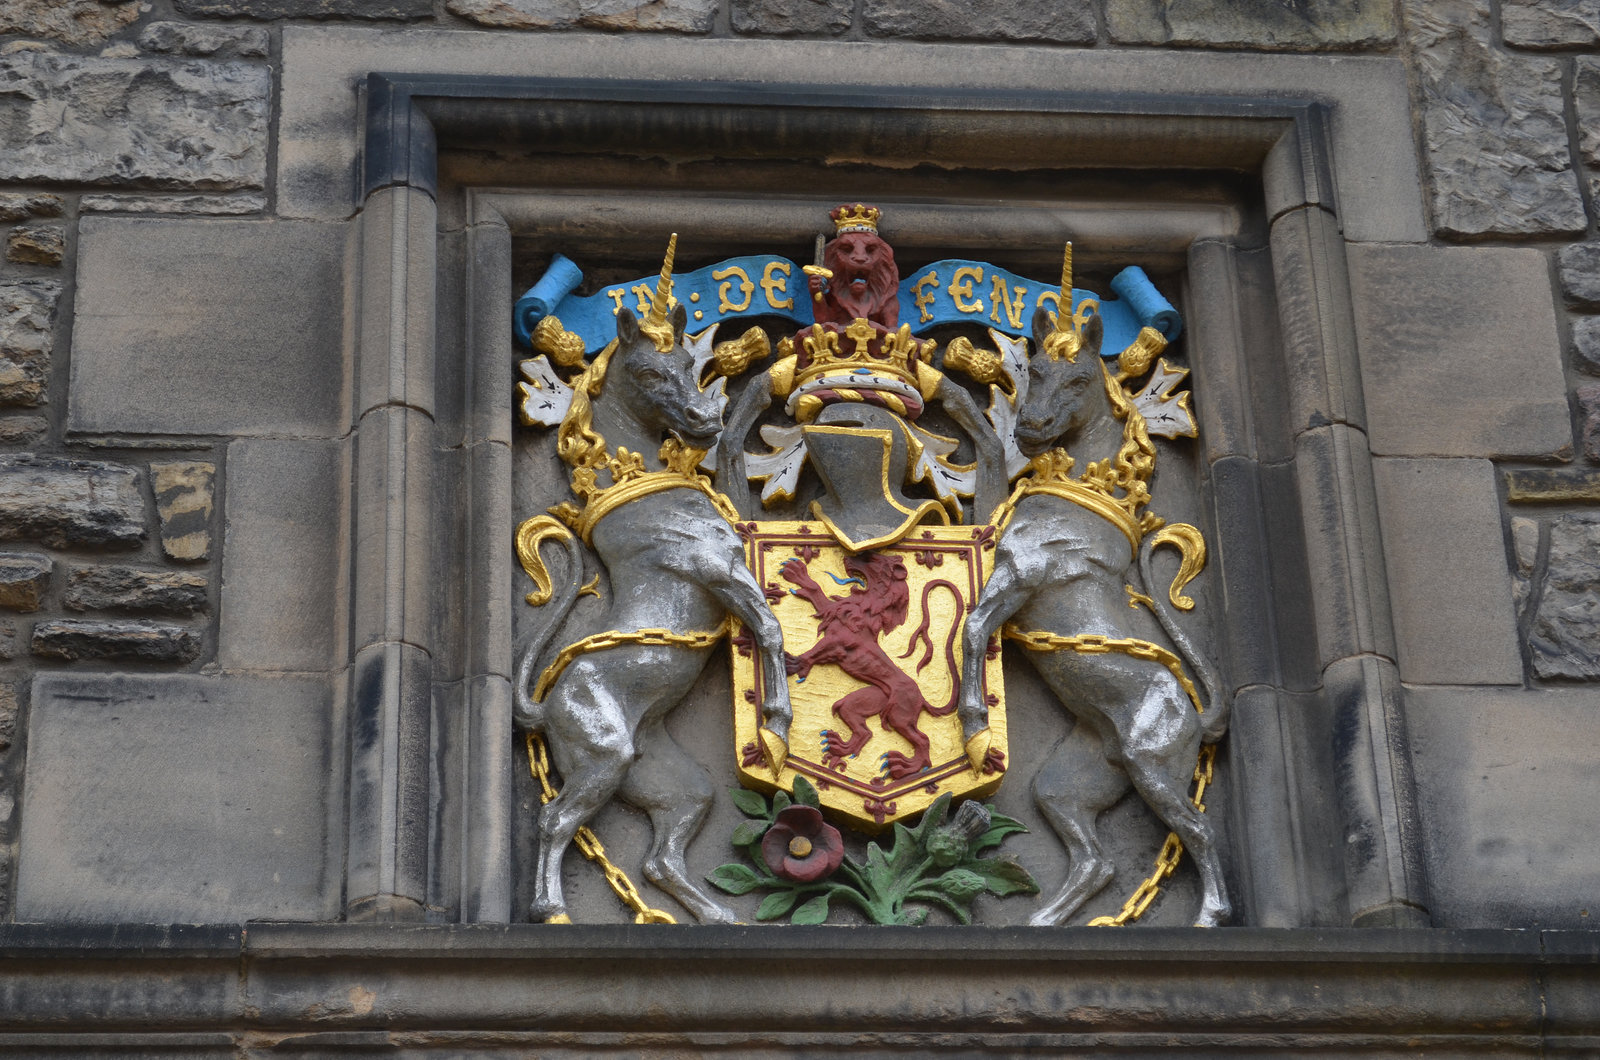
<point x="1589" y="408"/>
<point x="8" y="721"/>
<point x="1302" y="25"/>
<point x="1495" y="127"/>
<point x="1505" y="781"/>
<point x="1525" y="552"/>
<point x="8" y="641"/>
<point x="1067" y="22"/>
<point x="684" y="16"/>
<point x="22" y="430"/>
<point x="186" y="38"/>
<point x="168" y="592"/>
<point x="78" y="23"/>
<point x="1550" y="23"/>
<point x="782" y="17"/>
<point x="208" y="327"/>
<point x="249" y="202"/>
<point x="184" y="501"/>
<point x="27" y="338"/>
<point x="19" y="206"/>
<point x="1586" y="344"/>
<point x="280" y="558"/>
<point x="64" y="503"/>
<point x="1460" y="355"/>
<point x="1552" y="485"/>
<point x="73" y="639"/>
<point x="1448" y="582"/>
<point x="1580" y="273"/>
<point x="1565" y="638"/>
<point x="24" y="577"/>
<point x="37" y="244"/>
<point x="125" y="121"/>
<point x="177" y="798"/>
<point x="1586" y="100"/>
<point x="271" y="9"/>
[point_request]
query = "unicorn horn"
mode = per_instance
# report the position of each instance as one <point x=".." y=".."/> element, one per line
<point x="661" y="300"/>
<point x="1064" y="307"/>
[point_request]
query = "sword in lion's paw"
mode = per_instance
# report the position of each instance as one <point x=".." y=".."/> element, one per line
<point x="774" y="748"/>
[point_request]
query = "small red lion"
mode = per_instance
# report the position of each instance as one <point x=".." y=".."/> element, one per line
<point x="850" y="627"/>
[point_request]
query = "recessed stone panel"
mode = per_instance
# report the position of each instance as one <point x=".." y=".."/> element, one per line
<point x="1459" y="351"/>
<point x="1506" y="782"/>
<point x="176" y="799"/>
<point x="208" y="327"/>
<point x="1449" y="582"/>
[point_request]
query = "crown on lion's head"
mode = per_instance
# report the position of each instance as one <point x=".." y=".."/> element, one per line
<point x="855" y="217"/>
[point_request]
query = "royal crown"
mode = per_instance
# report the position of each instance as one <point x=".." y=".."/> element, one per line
<point x="855" y="217"/>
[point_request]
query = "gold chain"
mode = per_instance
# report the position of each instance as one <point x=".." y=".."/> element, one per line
<point x="589" y="843"/>
<point x="660" y="638"/>
<point x="1172" y="849"/>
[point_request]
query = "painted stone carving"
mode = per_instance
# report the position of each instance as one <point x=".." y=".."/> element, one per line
<point x="867" y="579"/>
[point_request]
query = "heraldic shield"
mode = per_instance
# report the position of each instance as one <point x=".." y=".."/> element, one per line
<point x="874" y="658"/>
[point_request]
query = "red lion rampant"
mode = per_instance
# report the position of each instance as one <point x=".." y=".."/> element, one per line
<point x="850" y="627"/>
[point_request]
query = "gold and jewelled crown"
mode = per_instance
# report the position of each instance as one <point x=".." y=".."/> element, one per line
<point x="855" y="217"/>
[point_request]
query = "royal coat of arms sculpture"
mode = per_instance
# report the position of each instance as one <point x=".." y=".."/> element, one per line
<point x="902" y="537"/>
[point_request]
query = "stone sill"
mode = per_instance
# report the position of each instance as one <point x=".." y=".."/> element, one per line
<point x="1380" y="992"/>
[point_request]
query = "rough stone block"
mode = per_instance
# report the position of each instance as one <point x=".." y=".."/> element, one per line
<point x="8" y="641"/>
<point x="782" y="17"/>
<point x="1550" y="23"/>
<point x="177" y="799"/>
<point x="1589" y="409"/>
<point x="37" y="244"/>
<point x="1505" y="778"/>
<point x="1586" y="100"/>
<point x="91" y="120"/>
<point x="1552" y="485"/>
<point x="186" y="38"/>
<point x="24" y="578"/>
<point x="1580" y="273"/>
<point x="21" y="205"/>
<point x="274" y="9"/>
<point x="1499" y="152"/>
<point x="1564" y="640"/>
<point x="27" y="339"/>
<point x="1586" y="344"/>
<point x="133" y="589"/>
<point x="1067" y="22"/>
<point x="246" y="202"/>
<point x="281" y="562"/>
<point x="64" y="503"/>
<point x="1459" y="352"/>
<point x="684" y="16"/>
<point x="184" y="502"/>
<point x="1448" y="579"/>
<point x="73" y="639"/>
<point x="1299" y="26"/>
<point x="8" y="720"/>
<point x="77" y="23"/>
<point x="23" y="430"/>
<point x="208" y="327"/>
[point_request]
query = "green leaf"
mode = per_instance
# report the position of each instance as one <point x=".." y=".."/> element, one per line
<point x="905" y="851"/>
<point x="814" y="911"/>
<point x="735" y="878"/>
<point x="780" y="802"/>
<point x="776" y="904"/>
<point x="914" y="917"/>
<point x="877" y="871"/>
<point x="1000" y="826"/>
<point x="933" y="817"/>
<point x="749" y="802"/>
<point x="806" y="795"/>
<point x="1002" y="875"/>
<point x="938" y="898"/>
<point x="749" y="832"/>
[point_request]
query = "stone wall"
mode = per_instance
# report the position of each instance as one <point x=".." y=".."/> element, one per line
<point x="176" y="362"/>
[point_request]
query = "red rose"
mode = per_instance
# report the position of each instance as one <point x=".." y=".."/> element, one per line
<point x="801" y="846"/>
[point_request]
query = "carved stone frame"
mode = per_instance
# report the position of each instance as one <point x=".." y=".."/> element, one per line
<point x="1308" y="640"/>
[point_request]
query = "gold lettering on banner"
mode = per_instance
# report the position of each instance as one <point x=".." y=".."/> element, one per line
<point x="772" y="286"/>
<point x="961" y="289"/>
<point x="923" y="293"/>
<point x="746" y="289"/>
<point x="615" y="294"/>
<point x="1053" y="299"/>
<point x="1012" y="306"/>
<point x="644" y="291"/>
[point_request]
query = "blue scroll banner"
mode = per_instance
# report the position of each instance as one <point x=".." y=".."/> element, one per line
<point x="946" y="292"/>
